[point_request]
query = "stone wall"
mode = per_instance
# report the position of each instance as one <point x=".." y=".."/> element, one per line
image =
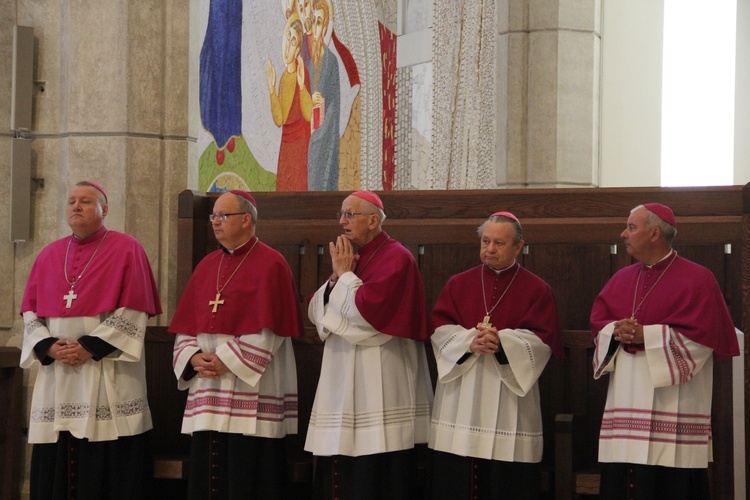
<point x="113" y="109"/>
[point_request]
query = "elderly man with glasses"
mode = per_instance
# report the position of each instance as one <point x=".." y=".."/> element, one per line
<point x="373" y="398"/>
<point x="233" y="352"/>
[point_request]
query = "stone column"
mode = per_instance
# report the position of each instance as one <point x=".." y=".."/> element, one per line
<point x="564" y="50"/>
<point x="548" y="93"/>
<point x="7" y="312"/>
<point x="114" y="110"/>
<point x="512" y="87"/>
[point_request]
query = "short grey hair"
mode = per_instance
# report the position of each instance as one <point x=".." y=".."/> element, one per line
<point x="247" y="206"/>
<point x="653" y="220"/>
<point x="517" y="238"/>
<point x="380" y="214"/>
<point x="376" y="210"/>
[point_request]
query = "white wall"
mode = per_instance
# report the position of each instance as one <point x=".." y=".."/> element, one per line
<point x="631" y="92"/>
<point x="742" y="96"/>
<point x="632" y="32"/>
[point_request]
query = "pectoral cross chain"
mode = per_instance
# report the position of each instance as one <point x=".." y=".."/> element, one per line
<point x="216" y="302"/>
<point x="70" y="297"/>
<point x="485" y="323"/>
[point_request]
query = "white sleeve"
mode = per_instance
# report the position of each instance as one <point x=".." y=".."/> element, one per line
<point x="672" y="358"/>
<point x="450" y="343"/>
<point x="247" y="356"/>
<point x="34" y="330"/>
<point x="185" y="346"/>
<point x="527" y="356"/>
<point x="125" y="329"/>
<point x="341" y="316"/>
<point x="604" y="363"/>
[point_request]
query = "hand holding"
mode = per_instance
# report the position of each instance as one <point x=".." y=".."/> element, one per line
<point x="73" y="354"/>
<point x="628" y="331"/>
<point x="55" y="349"/>
<point x="487" y="341"/>
<point x="343" y="258"/>
<point x="208" y="365"/>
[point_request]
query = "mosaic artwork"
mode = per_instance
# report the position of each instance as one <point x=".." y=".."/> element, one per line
<point x="296" y="95"/>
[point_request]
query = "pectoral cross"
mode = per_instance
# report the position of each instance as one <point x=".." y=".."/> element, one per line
<point x="216" y="302"/>
<point x="485" y="323"/>
<point x="70" y="298"/>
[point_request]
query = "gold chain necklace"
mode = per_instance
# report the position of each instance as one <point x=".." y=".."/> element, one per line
<point x="218" y="301"/>
<point x="70" y="296"/>
<point x="638" y="282"/>
<point x="486" y="322"/>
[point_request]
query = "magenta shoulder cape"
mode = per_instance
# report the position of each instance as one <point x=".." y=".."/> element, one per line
<point x="687" y="299"/>
<point x="391" y="297"/>
<point x="119" y="276"/>
<point x="261" y="294"/>
<point x="529" y="304"/>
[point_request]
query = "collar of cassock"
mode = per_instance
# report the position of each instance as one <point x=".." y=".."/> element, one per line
<point x="245" y="247"/>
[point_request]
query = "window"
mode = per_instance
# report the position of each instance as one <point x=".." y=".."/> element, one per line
<point x="698" y="93"/>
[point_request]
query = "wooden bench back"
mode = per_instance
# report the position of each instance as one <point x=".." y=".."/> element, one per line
<point x="572" y="238"/>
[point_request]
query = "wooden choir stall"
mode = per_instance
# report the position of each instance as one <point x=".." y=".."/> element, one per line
<point x="572" y="242"/>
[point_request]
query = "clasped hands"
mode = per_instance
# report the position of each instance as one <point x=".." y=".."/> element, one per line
<point x="628" y="331"/>
<point x="343" y="257"/>
<point x="208" y="365"/>
<point x="487" y="341"/>
<point x="69" y="352"/>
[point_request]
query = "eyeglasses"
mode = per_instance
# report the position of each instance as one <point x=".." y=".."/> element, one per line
<point x="346" y="214"/>
<point x="223" y="217"/>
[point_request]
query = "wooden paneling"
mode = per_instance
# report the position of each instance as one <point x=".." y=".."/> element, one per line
<point x="721" y="471"/>
<point x="579" y="417"/>
<point x="166" y="402"/>
<point x="439" y="262"/>
<point x="576" y="274"/>
<point x="569" y="234"/>
<point x="527" y="204"/>
<point x="12" y="415"/>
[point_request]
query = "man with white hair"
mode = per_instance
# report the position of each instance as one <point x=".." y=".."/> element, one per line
<point x="373" y="398"/>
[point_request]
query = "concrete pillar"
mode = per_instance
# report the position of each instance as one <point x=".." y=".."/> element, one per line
<point x="7" y="313"/>
<point x="512" y="89"/>
<point x="564" y="48"/>
<point x="114" y="109"/>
